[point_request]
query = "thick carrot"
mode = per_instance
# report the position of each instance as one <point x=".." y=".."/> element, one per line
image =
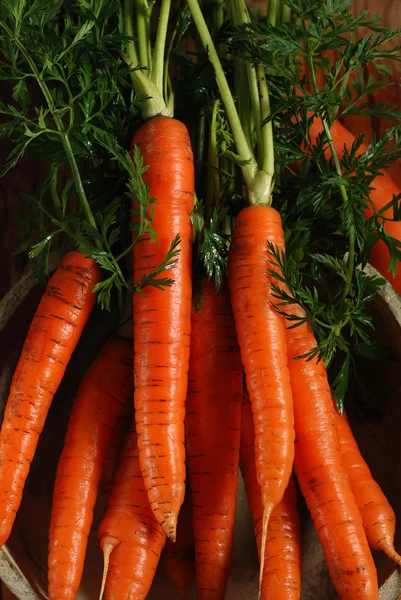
<point x="262" y="340"/>
<point x="53" y="335"/>
<point x="377" y="515"/>
<point x="178" y="558"/>
<point x="162" y="319"/>
<point x="129" y="535"/>
<point x="282" y="569"/>
<point x="213" y="437"/>
<point x="321" y="475"/>
<point x="102" y="395"/>
<point x="382" y="191"/>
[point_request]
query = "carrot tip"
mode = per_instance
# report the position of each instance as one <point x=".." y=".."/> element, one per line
<point x="267" y="511"/>
<point x="107" y="544"/>
<point x="170" y="527"/>
<point x="391" y="553"/>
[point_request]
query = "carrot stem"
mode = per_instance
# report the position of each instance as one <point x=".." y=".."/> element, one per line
<point x="249" y="169"/>
<point x="272" y="12"/>
<point x="160" y="45"/>
<point x="154" y="104"/>
<point x="142" y="33"/>
<point x="285" y="14"/>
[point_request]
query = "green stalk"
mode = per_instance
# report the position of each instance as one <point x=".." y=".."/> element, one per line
<point x="267" y="146"/>
<point x="154" y="105"/>
<point x="160" y="45"/>
<point x="273" y="12"/>
<point x="240" y="17"/>
<point x="142" y="32"/>
<point x="285" y="14"/>
<point x="213" y="179"/>
<point x="343" y="191"/>
<point x="250" y="168"/>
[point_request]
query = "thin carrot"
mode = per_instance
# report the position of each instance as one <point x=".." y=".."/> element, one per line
<point x="213" y="437"/>
<point x="377" y="515"/>
<point x="321" y="475"/>
<point x="162" y="319"/>
<point x="382" y="190"/>
<point x="53" y="335"/>
<point x="105" y="389"/>
<point x="282" y="569"/>
<point x="262" y="340"/>
<point x="178" y="560"/>
<point x="129" y="535"/>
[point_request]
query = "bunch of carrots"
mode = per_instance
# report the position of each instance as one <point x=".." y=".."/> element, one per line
<point x="220" y="380"/>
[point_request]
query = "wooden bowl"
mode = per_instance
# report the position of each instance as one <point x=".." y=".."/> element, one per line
<point x="23" y="560"/>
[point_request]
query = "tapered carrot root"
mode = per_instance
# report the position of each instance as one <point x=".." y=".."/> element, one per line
<point x="282" y="569"/>
<point x="129" y="535"/>
<point x="321" y="475"/>
<point x="262" y="340"/>
<point x="53" y="335"/>
<point x="162" y="319"/>
<point x="178" y="559"/>
<point x="213" y="437"/>
<point x="102" y="397"/>
<point x="377" y="515"/>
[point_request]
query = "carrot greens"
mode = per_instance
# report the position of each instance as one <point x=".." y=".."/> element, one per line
<point x="72" y="106"/>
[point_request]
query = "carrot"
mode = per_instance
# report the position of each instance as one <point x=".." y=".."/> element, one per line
<point x="282" y="570"/>
<point x="377" y="515"/>
<point x="178" y="556"/>
<point x="117" y="439"/>
<point x="262" y="340"/>
<point x="213" y="437"/>
<point x="162" y="319"/>
<point x="382" y="191"/>
<point x="53" y="335"/>
<point x="129" y="535"/>
<point x="321" y="475"/>
<point x="105" y="389"/>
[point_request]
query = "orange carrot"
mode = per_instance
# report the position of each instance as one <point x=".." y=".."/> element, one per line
<point x="262" y="340"/>
<point x="383" y="189"/>
<point x="377" y="515"/>
<point x="162" y="319"/>
<point x="321" y="475"/>
<point x="129" y="535"/>
<point x="282" y="569"/>
<point x="105" y="389"/>
<point x="178" y="556"/>
<point x="117" y="439"/>
<point x="53" y="335"/>
<point x="213" y="437"/>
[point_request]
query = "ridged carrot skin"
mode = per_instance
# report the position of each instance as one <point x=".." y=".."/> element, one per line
<point x="383" y="189"/>
<point x="129" y="532"/>
<point x="162" y="319"/>
<point x="178" y="559"/>
<point x="321" y="475"/>
<point x="213" y="437"/>
<point x="52" y="337"/>
<point x="282" y="570"/>
<point x="101" y="398"/>
<point x="377" y="515"/>
<point x="262" y="340"/>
